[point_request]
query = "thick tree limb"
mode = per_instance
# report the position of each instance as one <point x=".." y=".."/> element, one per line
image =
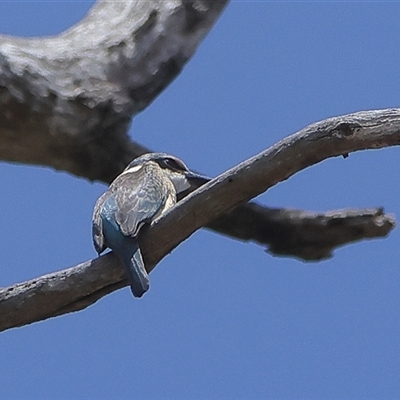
<point x="78" y="287"/>
<point x="67" y="101"/>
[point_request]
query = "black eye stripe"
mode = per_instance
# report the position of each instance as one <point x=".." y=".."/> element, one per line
<point x="175" y="164"/>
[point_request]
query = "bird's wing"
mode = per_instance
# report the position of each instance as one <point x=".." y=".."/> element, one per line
<point x="138" y="197"/>
<point x="97" y="224"/>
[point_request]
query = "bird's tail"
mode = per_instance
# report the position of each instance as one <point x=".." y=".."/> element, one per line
<point x="138" y="277"/>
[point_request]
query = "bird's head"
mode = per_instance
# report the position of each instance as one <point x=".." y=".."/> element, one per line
<point x="183" y="179"/>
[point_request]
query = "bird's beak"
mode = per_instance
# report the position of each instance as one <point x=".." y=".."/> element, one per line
<point x="196" y="179"/>
<point x="191" y="182"/>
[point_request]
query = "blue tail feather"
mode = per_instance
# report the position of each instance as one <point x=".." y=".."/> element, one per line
<point x="138" y="277"/>
<point x="128" y="250"/>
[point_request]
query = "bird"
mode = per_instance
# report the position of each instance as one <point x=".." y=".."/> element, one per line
<point x="150" y="185"/>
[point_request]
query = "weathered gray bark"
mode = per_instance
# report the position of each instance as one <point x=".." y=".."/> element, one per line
<point x="78" y="287"/>
<point x="67" y="101"/>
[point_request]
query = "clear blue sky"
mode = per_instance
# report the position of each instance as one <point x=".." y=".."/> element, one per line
<point x="224" y="319"/>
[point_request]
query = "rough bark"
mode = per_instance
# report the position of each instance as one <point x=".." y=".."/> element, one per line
<point x="78" y="287"/>
<point x="67" y="101"/>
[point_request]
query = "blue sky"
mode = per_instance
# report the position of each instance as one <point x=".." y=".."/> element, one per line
<point x="224" y="319"/>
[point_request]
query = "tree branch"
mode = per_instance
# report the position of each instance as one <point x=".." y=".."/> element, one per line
<point x="309" y="236"/>
<point x="67" y="101"/>
<point x="78" y="287"/>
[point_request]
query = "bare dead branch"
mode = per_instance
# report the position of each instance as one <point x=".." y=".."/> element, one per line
<point x="67" y="101"/>
<point x="78" y="287"/>
<point x="309" y="236"/>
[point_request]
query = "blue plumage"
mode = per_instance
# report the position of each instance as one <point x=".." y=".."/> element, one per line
<point x="126" y="247"/>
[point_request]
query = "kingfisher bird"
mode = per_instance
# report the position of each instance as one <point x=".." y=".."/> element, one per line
<point x="149" y="185"/>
